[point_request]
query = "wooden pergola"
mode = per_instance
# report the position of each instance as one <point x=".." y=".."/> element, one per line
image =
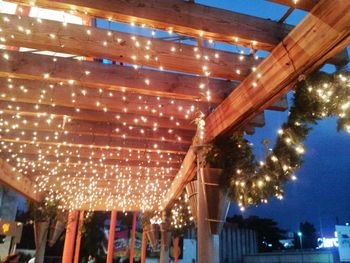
<point x="118" y="135"/>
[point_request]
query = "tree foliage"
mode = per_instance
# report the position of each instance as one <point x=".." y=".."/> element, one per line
<point x="267" y="231"/>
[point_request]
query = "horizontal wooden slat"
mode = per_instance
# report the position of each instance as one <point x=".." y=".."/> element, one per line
<point x="121" y="170"/>
<point x="95" y="140"/>
<point x="86" y="161"/>
<point x="77" y="127"/>
<point x="17" y="147"/>
<point x="123" y="47"/>
<point x="58" y="94"/>
<point x="27" y="109"/>
<point x="109" y="77"/>
<point x="181" y="17"/>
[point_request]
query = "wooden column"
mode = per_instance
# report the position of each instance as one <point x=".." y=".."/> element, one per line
<point x="78" y="237"/>
<point x="70" y="237"/>
<point x="165" y="244"/>
<point x="207" y="244"/>
<point x="133" y="232"/>
<point x="143" y="246"/>
<point x="176" y="249"/>
<point x="111" y="236"/>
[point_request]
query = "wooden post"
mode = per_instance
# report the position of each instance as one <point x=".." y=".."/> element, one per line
<point x="78" y="238"/>
<point x="111" y="236"/>
<point x="70" y="237"/>
<point x="176" y="249"/>
<point x="207" y="244"/>
<point x="143" y="247"/>
<point x="133" y="232"/>
<point x="165" y="244"/>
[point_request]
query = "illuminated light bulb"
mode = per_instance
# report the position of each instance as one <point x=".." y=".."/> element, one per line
<point x="300" y="150"/>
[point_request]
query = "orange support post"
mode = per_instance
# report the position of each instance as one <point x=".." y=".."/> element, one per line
<point x="143" y="247"/>
<point x="176" y="249"/>
<point x="111" y="236"/>
<point x="132" y="245"/>
<point x="70" y="237"/>
<point x="78" y="238"/>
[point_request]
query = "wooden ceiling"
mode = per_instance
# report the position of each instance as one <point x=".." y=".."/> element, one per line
<point x="118" y="136"/>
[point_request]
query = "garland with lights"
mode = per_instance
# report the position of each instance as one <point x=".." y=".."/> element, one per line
<point x="250" y="182"/>
<point x="179" y="218"/>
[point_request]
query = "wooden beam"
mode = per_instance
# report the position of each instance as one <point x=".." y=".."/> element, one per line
<point x="18" y="182"/>
<point x="123" y="47"/>
<point x="185" y="18"/>
<point x="74" y="161"/>
<point x="95" y="140"/>
<point x="126" y="119"/>
<point x="208" y="22"/>
<point x="76" y="127"/>
<point x="300" y="53"/>
<point x="304" y="50"/>
<point x="184" y="176"/>
<point x="78" y="169"/>
<point x="74" y="150"/>
<point x="11" y="139"/>
<point x="109" y="77"/>
<point x="96" y="99"/>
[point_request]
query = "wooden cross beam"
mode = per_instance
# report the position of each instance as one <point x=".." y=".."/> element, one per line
<point x="96" y="140"/>
<point x="123" y="47"/>
<point x="304" y="50"/>
<point x="78" y="127"/>
<point x="75" y="96"/>
<point x="74" y="150"/>
<point x="109" y="77"/>
<point x="176" y="15"/>
<point x="28" y="109"/>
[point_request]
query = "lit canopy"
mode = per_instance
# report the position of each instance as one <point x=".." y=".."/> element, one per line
<point x="102" y="119"/>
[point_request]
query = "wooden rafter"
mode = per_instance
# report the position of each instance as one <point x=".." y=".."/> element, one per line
<point x="79" y="161"/>
<point x="304" y="50"/>
<point x="28" y="109"/>
<point x="123" y="47"/>
<point x="45" y="93"/>
<point x="73" y="151"/>
<point x="97" y="141"/>
<point x="95" y="129"/>
<point x="185" y="18"/>
<point x="109" y="77"/>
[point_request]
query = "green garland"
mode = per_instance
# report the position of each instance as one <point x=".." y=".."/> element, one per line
<point x="179" y="218"/>
<point x="252" y="183"/>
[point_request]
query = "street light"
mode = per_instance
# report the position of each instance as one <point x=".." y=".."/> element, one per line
<point x="300" y="239"/>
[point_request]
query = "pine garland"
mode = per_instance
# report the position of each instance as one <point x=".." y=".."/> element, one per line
<point x="251" y="182"/>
